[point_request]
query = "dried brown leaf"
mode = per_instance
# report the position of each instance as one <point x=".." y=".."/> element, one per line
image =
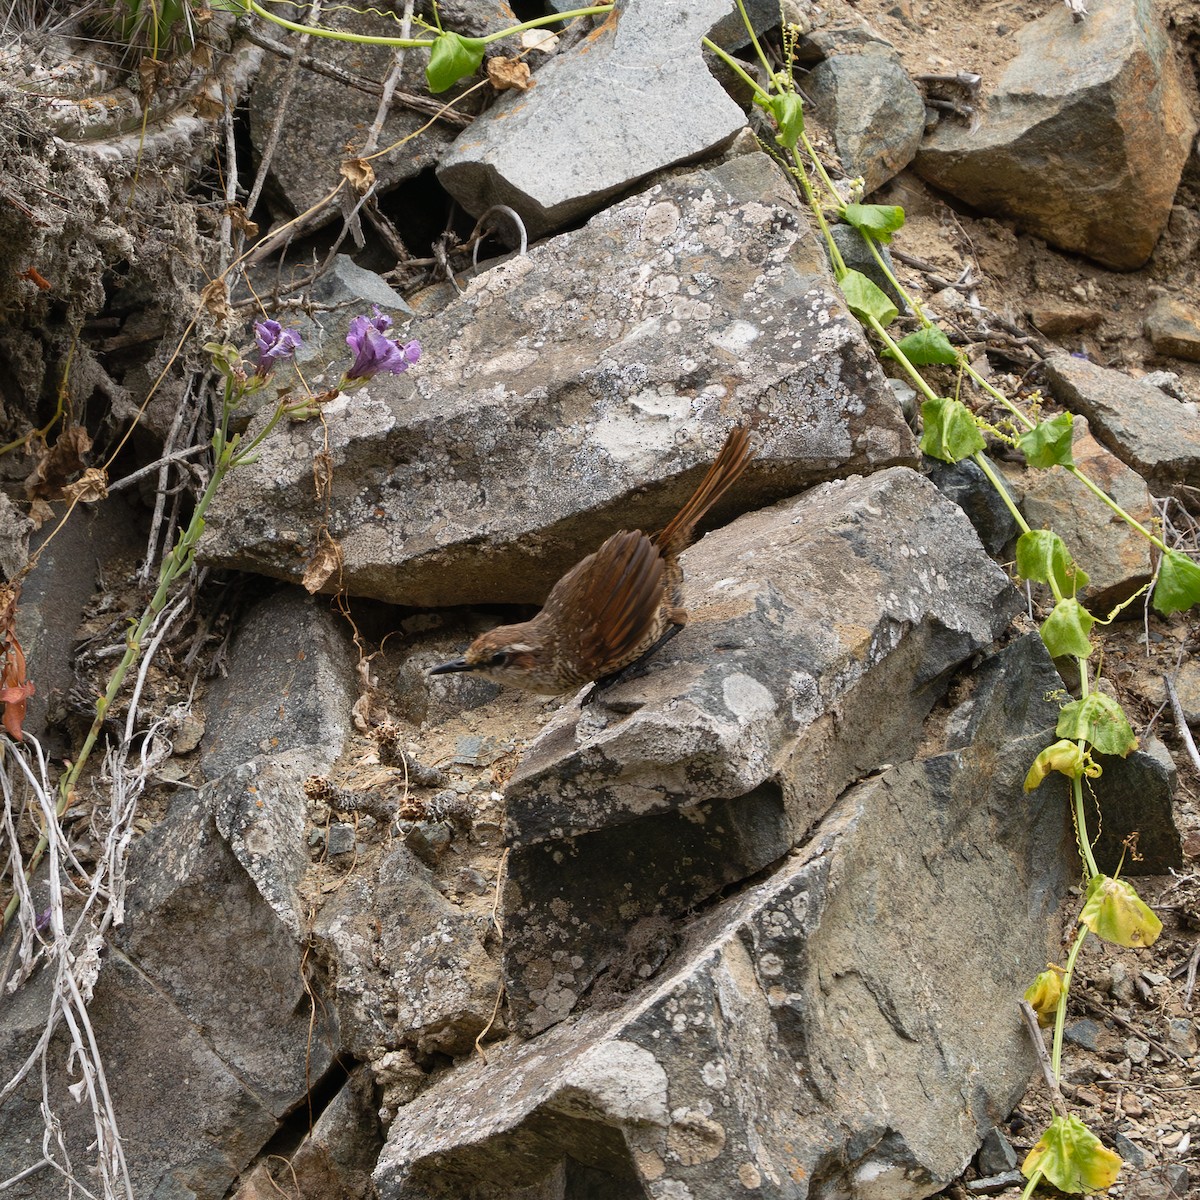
<point x="359" y="173"/>
<point x="92" y="485"/>
<point x="58" y="464"/>
<point x="326" y="562"/>
<point x="215" y="297"/>
<point x="505" y="73"/>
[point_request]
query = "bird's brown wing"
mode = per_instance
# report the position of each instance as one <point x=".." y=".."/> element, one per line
<point x="607" y="607"/>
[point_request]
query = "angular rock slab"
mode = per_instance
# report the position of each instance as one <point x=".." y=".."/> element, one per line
<point x="200" y="926"/>
<point x="595" y="123"/>
<point x="1155" y="434"/>
<point x="296" y="655"/>
<point x="817" y="1036"/>
<point x="820" y="634"/>
<point x="1084" y="138"/>
<point x="576" y="391"/>
<point x="189" y="1123"/>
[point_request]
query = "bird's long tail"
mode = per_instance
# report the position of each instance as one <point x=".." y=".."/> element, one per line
<point x="722" y="475"/>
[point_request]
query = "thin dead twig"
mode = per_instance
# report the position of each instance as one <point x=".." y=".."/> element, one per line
<point x="1181" y="725"/>
<point x="1039" y="1044"/>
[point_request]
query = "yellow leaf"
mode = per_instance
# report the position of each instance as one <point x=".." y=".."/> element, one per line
<point x="1072" y="1158"/>
<point x="1043" y="996"/>
<point x="1115" y="912"/>
<point x="1065" y="757"/>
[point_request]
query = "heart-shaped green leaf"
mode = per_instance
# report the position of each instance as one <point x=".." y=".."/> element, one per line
<point x="1115" y="912"/>
<point x="1100" y="721"/>
<point x="452" y="57"/>
<point x="1072" y="1158"/>
<point x="1178" y="586"/>
<point x="1048" y="443"/>
<point x="879" y="220"/>
<point x="1066" y="629"/>
<point x="950" y="432"/>
<point x="1043" y="557"/>
<point x="926" y="346"/>
<point x="865" y="300"/>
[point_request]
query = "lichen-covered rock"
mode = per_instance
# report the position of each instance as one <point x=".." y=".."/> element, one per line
<point x="813" y="1036"/>
<point x="225" y="945"/>
<point x="576" y="391"/>
<point x="820" y="633"/>
<point x="410" y="968"/>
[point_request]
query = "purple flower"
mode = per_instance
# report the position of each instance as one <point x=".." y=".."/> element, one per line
<point x="275" y="344"/>
<point x="375" y="352"/>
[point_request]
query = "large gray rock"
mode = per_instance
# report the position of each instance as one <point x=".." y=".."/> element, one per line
<point x="577" y="391"/>
<point x="189" y="1122"/>
<point x="1084" y="138"/>
<point x="871" y="110"/>
<point x="820" y="634"/>
<point x="1155" y="434"/>
<point x="814" y="1036"/>
<point x="591" y="110"/>
<point x="335" y="1160"/>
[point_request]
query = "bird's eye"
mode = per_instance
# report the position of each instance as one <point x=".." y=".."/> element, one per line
<point x="499" y="659"/>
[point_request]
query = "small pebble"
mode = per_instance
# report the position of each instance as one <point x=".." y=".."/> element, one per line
<point x="1138" y="1049"/>
<point x="340" y="839"/>
<point x="1084" y="1033"/>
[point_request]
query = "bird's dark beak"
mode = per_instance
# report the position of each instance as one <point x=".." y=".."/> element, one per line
<point x="447" y="668"/>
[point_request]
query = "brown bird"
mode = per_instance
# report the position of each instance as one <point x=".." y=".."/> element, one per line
<point x="611" y="608"/>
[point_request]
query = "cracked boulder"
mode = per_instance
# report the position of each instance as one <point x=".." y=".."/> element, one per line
<point x="820" y="634"/>
<point x="576" y="391"/>
<point x="599" y="107"/>
<point x="410" y="967"/>
<point x="815" y="1034"/>
<point x="1084" y="138"/>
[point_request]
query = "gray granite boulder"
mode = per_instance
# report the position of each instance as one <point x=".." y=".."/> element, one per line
<point x="577" y="391"/>
<point x="600" y="107"/>
<point x="871" y="110"/>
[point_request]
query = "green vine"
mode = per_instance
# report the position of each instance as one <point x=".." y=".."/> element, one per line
<point x="1068" y="1155"/>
